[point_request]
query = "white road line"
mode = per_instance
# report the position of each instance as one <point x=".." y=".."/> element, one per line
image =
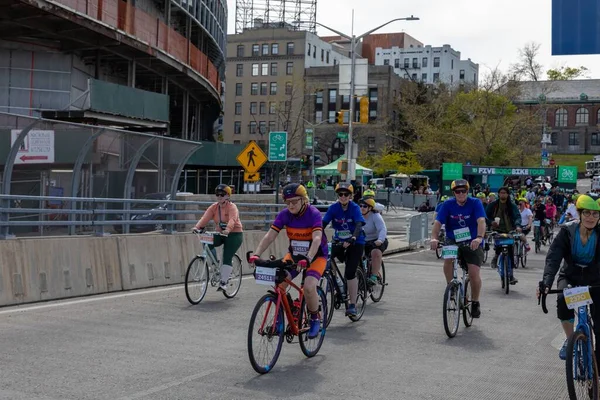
<point x="166" y="386"/>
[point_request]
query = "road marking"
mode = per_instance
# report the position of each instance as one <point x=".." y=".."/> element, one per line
<point x="404" y="254"/>
<point x="166" y="386"/>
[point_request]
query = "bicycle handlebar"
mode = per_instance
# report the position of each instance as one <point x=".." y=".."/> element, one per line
<point x="543" y="294"/>
<point x="199" y="232"/>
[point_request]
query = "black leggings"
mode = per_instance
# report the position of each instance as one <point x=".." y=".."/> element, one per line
<point x="352" y="256"/>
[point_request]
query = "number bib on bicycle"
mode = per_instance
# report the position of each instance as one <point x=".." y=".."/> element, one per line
<point x="577" y="297"/>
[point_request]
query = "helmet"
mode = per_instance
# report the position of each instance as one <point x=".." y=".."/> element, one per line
<point x="598" y="202"/>
<point x="368" y="193"/>
<point x="345" y="187"/>
<point x="522" y="199"/>
<point x="459" y="183"/>
<point x="368" y="201"/>
<point x="575" y="196"/>
<point x="480" y="195"/>
<point x="492" y="194"/>
<point x="444" y="198"/>
<point x="294" y="190"/>
<point x="585" y="202"/>
<point x="222" y="188"/>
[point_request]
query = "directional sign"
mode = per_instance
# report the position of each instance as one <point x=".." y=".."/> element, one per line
<point x="251" y="176"/>
<point x="342" y="135"/>
<point x="277" y="146"/>
<point x="38" y="147"/>
<point x="252" y="157"/>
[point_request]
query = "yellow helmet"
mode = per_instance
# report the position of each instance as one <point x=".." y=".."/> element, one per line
<point x="370" y="202"/>
<point x="368" y="193"/>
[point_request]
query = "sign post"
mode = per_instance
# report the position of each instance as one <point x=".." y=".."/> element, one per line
<point x="252" y="158"/>
<point x="309" y="139"/>
<point x="277" y="153"/>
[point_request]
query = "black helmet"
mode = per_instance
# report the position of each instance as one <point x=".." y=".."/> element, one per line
<point x="459" y="183"/>
<point x="223" y="189"/>
<point x="294" y="190"/>
<point x="344" y="186"/>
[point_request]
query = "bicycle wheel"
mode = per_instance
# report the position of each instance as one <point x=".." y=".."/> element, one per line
<point x="517" y="255"/>
<point x="377" y="289"/>
<point x="550" y="238"/>
<point x="451" y="310"/>
<point x="506" y="274"/>
<point x="196" y="280"/>
<point x="361" y="298"/>
<point x="310" y="347"/>
<point x="438" y="252"/>
<point x="326" y="284"/>
<point x="485" y="254"/>
<point x="467" y="305"/>
<point x="536" y="239"/>
<point x="265" y="337"/>
<point x="523" y="256"/>
<point x="235" y="279"/>
<point x="582" y="371"/>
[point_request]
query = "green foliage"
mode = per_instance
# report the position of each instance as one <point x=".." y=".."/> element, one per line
<point x="566" y="73"/>
<point x="390" y="161"/>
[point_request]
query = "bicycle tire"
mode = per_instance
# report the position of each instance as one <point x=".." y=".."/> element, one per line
<point x="451" y="306"/>
<point x="506" y="275"/>
<point x="577" y="345"/>
<point x="361" y="296"/>
<point x="467" y="305"/>
<point x="536" y="239"/>
<point x="235" y="280"/>
<point x="262" y="367"/>
<point x="438" y="252"/>
<point x="189" y="284"/>
<point x="329" y="290"/>
<point x="485" y="255"/>
<point x="524" y="258"/>
<point x="378" y="288"/>
<point x="310" y="347"/>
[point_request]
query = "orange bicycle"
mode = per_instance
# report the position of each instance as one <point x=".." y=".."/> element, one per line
<point x="267" y="326"/>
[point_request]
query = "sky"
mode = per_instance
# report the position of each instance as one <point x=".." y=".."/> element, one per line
<point x="489" y="32"/>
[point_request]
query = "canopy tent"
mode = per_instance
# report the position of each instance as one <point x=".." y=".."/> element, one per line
<point x="331" y="169"/>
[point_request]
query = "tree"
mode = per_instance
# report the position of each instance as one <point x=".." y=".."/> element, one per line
<point x="391" y="161"/>
<point x="566" y="73"/>
<point x="528" y="67"/>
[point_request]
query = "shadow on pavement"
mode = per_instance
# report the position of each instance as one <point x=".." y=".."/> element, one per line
<point x="471" y="339"/>
<point x="343" y="331"/>
<point x="211" y="305"/>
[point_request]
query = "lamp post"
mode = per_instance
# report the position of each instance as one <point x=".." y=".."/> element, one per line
<point x="353" y="40"/>
<point x="314" y="144"/>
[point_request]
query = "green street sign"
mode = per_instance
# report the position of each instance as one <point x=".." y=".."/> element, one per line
<point x="277" y="146"/>
<point x="567" y="174"/>
<point x="342" y="135"/>
<point x="452" y="171"/>
<point x="309" y="138"/>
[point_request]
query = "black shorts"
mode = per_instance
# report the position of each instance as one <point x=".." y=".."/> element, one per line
<point x="369" y="246"/>
<point x="470" y="256"/>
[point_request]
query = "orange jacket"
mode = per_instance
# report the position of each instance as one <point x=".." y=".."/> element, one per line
<point x="229" y="215"/>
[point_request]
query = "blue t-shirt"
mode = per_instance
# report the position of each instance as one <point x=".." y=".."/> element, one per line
<point x="437" y="208"/>
<point x="584" y="254"/>
<point x="461" y="221"/>
<point x="344" y="222"/>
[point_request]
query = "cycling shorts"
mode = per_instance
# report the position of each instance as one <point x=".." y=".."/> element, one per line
<point x="370" y="246"/>
<point x="316" y="268"/>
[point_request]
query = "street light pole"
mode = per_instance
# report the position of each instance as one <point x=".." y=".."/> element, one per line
<point x="314" y="144"/>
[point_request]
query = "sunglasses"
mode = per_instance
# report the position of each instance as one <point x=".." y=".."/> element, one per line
<point x="221" y="194"/>
<point x="292" y="202"/>
<point x="344" y="194"/>
<point x="460" y="191"/>
<point x="364" y="206"/>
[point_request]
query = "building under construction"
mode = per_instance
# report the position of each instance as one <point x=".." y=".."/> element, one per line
<point x="301" y="14"/>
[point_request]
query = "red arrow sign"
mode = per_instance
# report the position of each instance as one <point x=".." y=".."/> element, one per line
<point x="31" y="158"/>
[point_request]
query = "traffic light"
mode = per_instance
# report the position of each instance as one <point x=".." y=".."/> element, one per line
<point x="339" y="117"/>
<point x="364" y="110"/>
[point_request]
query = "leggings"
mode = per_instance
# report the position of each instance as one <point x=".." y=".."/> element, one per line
<point x="231" y="244"/>
<point x="352" y="256"/>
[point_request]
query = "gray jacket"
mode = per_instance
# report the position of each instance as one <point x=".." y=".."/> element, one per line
<point x="374" y="227"/>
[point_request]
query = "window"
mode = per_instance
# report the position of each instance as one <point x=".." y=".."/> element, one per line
<point x="319" y="98"/>
<point x="406" y="62"/>
<point x="595" y="139"/>
<point x="253" y="108"/>
<point x="396" y="63"/>
<point x="252" y="128"/>
<point x="255" y="50"/>
<point x="560" y="117"/>
<point x="263" y="108"/>
<point x="290" y="48"/>
<point x="373" y="94"/>
<point x="273" y="88"/>
<point x="236" y="142"/>
<point x="272" y="107"/>
<point x="424" y="77"/>
<point x="238" y="89"/>
<point x="315" y="52"/>
<point x="424" y="62"/>
<point x="554" y="138"/>
<point x="461" y="74"/>
<point x="436" y="62"/>
<point x="255" y="69"/>
<point x="272" y="126"/>
<point x="327" y="59"/>
<point x="582" y="117"/>
<point x="265" y="49"/>
<point x="264" y="69"/>
<point x="334" y="62"/>
<point x="332" y="98"/>
<point x="240" y="50"/>
<point x="414" y="77"/>
<point x="451" y="64"/>
<point x="275" y="49"/>
<point x="322" y="55"/>
<point x="415" y="63"/>
<point x="263" y="89"/>
<point x="237" y="127"/>
<point x="436" y="77"/>
<point x="287" y="105"/>
<point x="386" y="62"/>
<point x="238" y="108"/>
<point x="371" y="143"/>
<point x="289" y="68"/>
<point x="239" y="70"/>
<point x="274" y="69"/>
<point x="308" y="52"/>
<point x="318" y="117"/>
<point x="288" y="88"/>
<point x="262" y="127"/>
<point x="253" y="89"/>
<point x="573" y="139"/>
<point x="331" y="117"/>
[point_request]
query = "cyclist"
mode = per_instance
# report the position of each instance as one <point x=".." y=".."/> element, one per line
<point x="575" y="256"/>
<point x="371" y="194"/>
<point x="539" y="214"/>
<point x="464" y="219"/>
<point x="482" y="198"/>
<point x="509" y="220"/>
<point x="526" y="220"/>
<point x="227" y="221"/>
<point x="375" y="236"/>
<point x="347" y="222"/>
<point x="550" y="214"/>
<point x="308" y="245"/>
<point x="492" y="197"/>
<point x="572" y="212"/>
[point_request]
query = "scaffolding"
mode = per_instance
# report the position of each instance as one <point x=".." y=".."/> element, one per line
<point x="297" y="14"/>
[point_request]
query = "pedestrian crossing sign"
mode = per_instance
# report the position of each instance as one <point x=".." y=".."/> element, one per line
<point x="251" y="176"/>
<point x="252" y="158"/>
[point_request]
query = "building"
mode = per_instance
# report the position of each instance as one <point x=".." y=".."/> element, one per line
<point x="569" y="112"/>
<point x="266" y="82"/>
<point x="429" y="64"/>
<point x="368" y="45"/>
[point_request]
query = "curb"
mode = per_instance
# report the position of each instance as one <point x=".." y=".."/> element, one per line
<point x="397" y="250"/>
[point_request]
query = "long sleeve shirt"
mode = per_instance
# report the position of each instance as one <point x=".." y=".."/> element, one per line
<point x="374" y="227"/>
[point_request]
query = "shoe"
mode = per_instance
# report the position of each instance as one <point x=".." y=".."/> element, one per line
<point x="351" y="311"/>
<point x="372" y="280"/>
<point x="494" y="262"/>
<point x="527" y="247"/>
<point x="315" y="327"/>
<point x="475" y="309"/>
<point x="562" y="353"/>
<point x="513" y="280"/>
<point x="222" y="287"/>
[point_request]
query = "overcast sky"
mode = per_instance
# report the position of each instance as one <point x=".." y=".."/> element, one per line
<point x="489" y="32"/>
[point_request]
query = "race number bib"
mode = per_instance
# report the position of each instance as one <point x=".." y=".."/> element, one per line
<point x="206" y="238"/>
<point x="462" y="234"/>
<point x="344" y="235"/>
<point x="577" y="297"/>
<point x="449" y="252"/>
<point x="300" y="247"/>
<point x="265" y="276"/>
<point x="537" y="222"/>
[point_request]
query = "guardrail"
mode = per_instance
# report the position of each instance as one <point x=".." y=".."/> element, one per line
<point x="419" y="229"/>
<point x="388" y="199"/>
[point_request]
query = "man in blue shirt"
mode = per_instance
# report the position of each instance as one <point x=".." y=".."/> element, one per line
<point x="464" y="218"/>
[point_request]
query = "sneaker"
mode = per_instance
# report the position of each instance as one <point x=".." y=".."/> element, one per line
<point x="562" y="353"/>
<point x="372" y="280"/>
<point x="351" y="311"/>
<point x="475" y="309"/>
<point x="315" y="327"/>
<point x="222" y="287"/>
<point x="513" y="280"/>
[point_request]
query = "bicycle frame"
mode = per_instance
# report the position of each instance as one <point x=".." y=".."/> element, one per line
<point x="335" y="270"/>
<point x="282" y="300"/>
<point x="460" y="282"/>
<point x="583" y="324"/>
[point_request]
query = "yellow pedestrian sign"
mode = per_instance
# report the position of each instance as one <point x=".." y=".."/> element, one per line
<point x="252" y="157"/>
<point x="251" y="176"/>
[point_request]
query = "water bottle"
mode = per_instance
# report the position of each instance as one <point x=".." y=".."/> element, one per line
<point x="340" y="284"/>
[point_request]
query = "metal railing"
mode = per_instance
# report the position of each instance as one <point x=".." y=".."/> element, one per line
<point x="419" y="229"/>
<point x="400" y="200"/>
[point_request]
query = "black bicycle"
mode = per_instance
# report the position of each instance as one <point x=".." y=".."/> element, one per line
<point x="374" y="289"/>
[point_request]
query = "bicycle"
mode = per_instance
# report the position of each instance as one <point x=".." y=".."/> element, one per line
<point x="335" y="287"/>
<point x="441" y="239"/>
<point x="486" y="245"/>
<point x="505" y="263"/>
<point x="374" y="290"/>
<point x="279" y="307"/>
<point x="205" y="267"/>
<point x="581" y="367"/>
<point x="549" y="231"/>
<point x="520" y="253"/>
<point x="457" y="296"/>
<point x="537" y="236"/>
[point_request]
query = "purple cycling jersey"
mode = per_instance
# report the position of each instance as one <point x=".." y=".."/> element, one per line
<point x="299" y="229"/>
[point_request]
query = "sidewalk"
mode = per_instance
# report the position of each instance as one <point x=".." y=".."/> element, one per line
<point x="396" y="245"/>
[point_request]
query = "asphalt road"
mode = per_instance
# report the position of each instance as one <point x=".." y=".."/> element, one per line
<point x="153" y="345"/>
